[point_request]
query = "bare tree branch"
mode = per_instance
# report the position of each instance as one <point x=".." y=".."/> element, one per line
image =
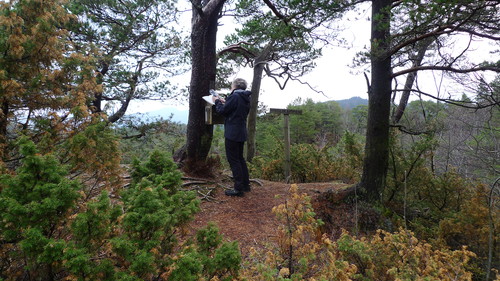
<point x="455" y="102"/>
<point x="130" y="94"/>
<point x="288" y="78"/>
<point x="276" y="12"/>
<point x="368" y="86"/>
<point x="417" y="58"/>
<point x="239" y="49"/>
<point x="475" y="33"/>
<point x="447" y="68"/>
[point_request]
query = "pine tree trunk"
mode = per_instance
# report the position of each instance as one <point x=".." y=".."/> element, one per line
<point x="422" y="47"/>
<point x="252" y="116"/>
<point x="379" y="105"/>
<point x="203" y="56"/>
<point x="258" y="69"/>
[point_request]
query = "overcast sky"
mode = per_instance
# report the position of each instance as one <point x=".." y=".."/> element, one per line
<point x="333" y="74"/>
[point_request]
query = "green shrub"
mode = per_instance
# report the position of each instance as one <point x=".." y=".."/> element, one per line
<point x="310" y="163"/>
<point x="49" y="233"/>
<point x="94" y="152"/>
<point x="35" y="202"/>
<point x="208" y="259"/>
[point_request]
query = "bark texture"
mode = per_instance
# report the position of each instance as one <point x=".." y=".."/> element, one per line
<point x="259" y="64"/>
<point x="203" y="71"/>
<point x="422" y="48"/>
<point x="377" y="134"/>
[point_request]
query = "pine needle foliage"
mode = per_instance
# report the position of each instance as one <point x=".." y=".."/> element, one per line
<point x="34" y="205"/>
<point x="50" y="231"/>
<point x="45" y="82"/>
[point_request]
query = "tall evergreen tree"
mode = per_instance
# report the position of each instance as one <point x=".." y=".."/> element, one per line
<point x="281" y="39"/>
<point x="45" y="82"/>
<point x="476" y="19"/>
<point x="379" y="102"/>
<point x="203" y="72"/>
<point x="135" y="44"/>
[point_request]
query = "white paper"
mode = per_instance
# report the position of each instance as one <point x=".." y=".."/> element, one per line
<point x="208" y="99"/>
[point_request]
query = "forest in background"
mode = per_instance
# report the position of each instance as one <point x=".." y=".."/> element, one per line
<point x="69" y="70"/>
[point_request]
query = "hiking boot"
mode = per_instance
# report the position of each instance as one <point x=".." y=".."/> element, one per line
<point x="234" y="192"/>
<point x="246" y="189"/>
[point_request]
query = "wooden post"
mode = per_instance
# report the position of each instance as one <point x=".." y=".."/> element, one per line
<point x="286" y="129"/>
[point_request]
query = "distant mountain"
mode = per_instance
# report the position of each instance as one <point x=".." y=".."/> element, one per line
<point x="352" y="102"/>
<point x="181" y="116"/>
<point x="178" y="115"/>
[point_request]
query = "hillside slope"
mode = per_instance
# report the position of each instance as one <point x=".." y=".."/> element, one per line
<point x="250" y="220"/>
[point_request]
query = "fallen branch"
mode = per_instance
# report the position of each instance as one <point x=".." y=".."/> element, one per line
<point x="207" y="196"/>
<point x="257" y="181"/>
<point x="193" y="179"/>
<point x="196" y="182"/>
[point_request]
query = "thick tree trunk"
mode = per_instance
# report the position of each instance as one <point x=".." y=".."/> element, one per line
<point x="203" y="56"/>
<point x="379" y="105"/>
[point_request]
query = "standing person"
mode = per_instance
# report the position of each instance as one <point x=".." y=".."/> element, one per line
<point x="235" y="110"/>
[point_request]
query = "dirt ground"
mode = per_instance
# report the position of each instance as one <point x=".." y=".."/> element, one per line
<point x="250" y="220"/>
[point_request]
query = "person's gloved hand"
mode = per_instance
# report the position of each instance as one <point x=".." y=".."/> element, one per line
<point x="214" y="98"/>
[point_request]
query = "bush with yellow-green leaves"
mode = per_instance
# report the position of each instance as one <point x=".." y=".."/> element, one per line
<point x="303" y="253"/>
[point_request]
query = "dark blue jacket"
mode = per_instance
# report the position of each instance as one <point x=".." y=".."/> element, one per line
<point x="235" y="110"/>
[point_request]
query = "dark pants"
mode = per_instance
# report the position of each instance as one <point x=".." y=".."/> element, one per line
<point x="234" y="154"/>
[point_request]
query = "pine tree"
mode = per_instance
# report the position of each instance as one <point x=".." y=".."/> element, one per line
<point x="34" y="206"/>
<point x="45" y="82"/>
